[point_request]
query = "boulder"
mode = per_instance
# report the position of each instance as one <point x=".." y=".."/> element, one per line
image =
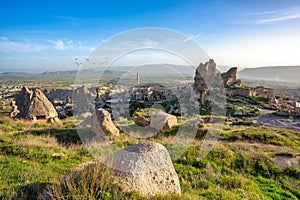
<point x="141" y="121"/>
<point x="40" y="106"/>
<point x="34" y="105"/>
<point x="106" y="124"/>
<point x="145" y="167"/>
<point x="163" y="121"/>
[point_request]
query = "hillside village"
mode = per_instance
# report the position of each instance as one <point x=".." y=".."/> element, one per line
<point x="242" y="101"/>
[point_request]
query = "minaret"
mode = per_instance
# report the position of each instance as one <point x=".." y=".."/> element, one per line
<point x="137" y="78"/>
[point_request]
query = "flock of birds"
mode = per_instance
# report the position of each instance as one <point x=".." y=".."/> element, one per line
<point x="79" y="63"/>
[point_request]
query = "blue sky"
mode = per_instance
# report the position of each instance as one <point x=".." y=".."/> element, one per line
<point x="48" y="35"/>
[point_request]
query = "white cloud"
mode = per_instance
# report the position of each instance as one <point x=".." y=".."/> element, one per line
<point x="278" y="15"/>
<point x="69" y="45"/>
<point x="4" y="38"/>
<point x="278" y="19"/>
<point x="8" y="46"/>
<point x="58" y="44"/>
<point x="27" y="46"/>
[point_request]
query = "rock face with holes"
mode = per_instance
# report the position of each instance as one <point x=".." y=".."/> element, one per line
<point x="163" y="121"/>
<point x="34" y="105"/>
<point x="145" y="167"/>
<point x="106" y="124"/>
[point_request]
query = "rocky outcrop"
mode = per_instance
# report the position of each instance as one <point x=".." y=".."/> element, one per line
<point x="33" y="105"/>
<point x="203" y="72"/>
<point x="58" y="94"/>
<point x="162" y="121"/>
<point x="105" y="122"/>
<point x="145" y="167"/>
<point x="83" y="100"/>
<point x="205" y="76"/>
<point x="229" y="77"/>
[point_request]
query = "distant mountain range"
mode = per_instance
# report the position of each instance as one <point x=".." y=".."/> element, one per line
<point x="50" y="75"/>
<point x="290" y="74"/>
<point x="261" y="75"/>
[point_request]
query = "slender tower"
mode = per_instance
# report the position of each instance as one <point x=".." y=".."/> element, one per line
<point x="137" y="78"/>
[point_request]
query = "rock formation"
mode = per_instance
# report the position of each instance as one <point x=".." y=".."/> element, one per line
<point x="14" y="112"/>
<point x="34" y="105"/>
<point x="203" y="72"/>
<point x="229" y="77"/>
<point x="145" y="167"/>
<point x="106" y="124"/>
<point x="205" y="76"/>
<point x="163" y="121"/>
<point x="58" y="94"/>
<point x="83" y="99"/>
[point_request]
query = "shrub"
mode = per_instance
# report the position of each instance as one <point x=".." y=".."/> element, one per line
<point x="94" y="181"/>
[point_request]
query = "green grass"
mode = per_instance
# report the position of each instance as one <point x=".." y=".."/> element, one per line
<point x="279" y="137"/>
<point x="240" y="166"/>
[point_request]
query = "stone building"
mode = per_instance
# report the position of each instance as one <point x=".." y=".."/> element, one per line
<point x="152" y="92"/>
<point x="297" y="108"/>
<point x="261" y="91"/>
<point x="240" y="92"/>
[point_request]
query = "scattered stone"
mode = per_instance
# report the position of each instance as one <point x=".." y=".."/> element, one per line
<point x="147" y="168"/>
<point x="106" y="124"/>
<point x="163" y="121"/>
<point x="286" y="161"/>
<point x="141" y="121"/>
<point x="58" y="155"/>
<point x="54" y="120"/>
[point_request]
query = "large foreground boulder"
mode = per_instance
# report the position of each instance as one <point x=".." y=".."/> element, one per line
<point x="33" y="105"/>
<point x="163" y="121"/>
<point x="145" y="167"/>
<point x="106" y="124"/>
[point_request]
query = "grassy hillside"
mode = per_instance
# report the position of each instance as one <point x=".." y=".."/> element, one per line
<point x="241" y="165"/>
